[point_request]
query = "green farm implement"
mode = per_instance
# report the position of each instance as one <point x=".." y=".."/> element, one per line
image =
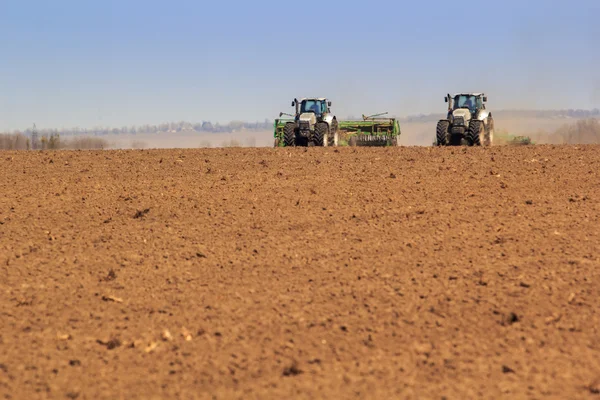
<point x="279" y="129"/>
<point x="374" y="130"/>
<point x="513" y="140"/>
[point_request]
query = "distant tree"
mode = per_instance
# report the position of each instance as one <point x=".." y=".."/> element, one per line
<point x="236" y="125"/>
<point x="54" y="142"/>
<point x="207" y="126"/>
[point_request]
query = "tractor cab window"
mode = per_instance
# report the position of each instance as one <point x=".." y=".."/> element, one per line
<point x="464" y="101"/>
<point x="480" y="105"/>
<point x="316" y="106"/>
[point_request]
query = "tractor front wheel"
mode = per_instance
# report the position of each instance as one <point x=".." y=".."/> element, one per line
<point x="289" y="134"/>
<point x="321" y="136"/>
<point x="441" y="133"/>
<point x="475" y="132"/>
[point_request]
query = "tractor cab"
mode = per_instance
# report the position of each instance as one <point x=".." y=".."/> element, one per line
<point x="317" y="106"/>
<point x="470" y="101"/>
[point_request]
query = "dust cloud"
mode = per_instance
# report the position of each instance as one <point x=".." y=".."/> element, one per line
<point x="186" y="140"/>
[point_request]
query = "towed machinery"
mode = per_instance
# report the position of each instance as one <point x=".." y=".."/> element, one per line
<point x="468" y="121"/>
<point x="314" y="125"/>
<point x="374" y="130"/>
<point x="513" y="140"/>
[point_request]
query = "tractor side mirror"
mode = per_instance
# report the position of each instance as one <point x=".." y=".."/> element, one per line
<point x="485" y="99"/>
<point x="445" y="99"/>
<point x="293" y="103"/>
<point x="328" y="104"/>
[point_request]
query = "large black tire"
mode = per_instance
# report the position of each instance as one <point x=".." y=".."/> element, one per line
<point x="476" y="128"/>
<point x="289" y="134"/>
<point x="321" y="134"/>
<point x="441" y="133"/>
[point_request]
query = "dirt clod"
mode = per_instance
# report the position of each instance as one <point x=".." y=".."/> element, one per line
<point x="511" y="318"/>
<point x="292" y="370"/>
<point x="594" y="387"/>
<point x="113" y="299"/>
<point x="507" y="370"/>
<point x="141" y="214"/>
<point x="111" y="276"/>
<point x="110" y="344"/>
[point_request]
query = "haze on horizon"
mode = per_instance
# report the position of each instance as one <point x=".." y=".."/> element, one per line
<point x="70" y="63"/>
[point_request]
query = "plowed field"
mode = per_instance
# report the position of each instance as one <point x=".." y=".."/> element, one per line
<point x="303" y="273"/>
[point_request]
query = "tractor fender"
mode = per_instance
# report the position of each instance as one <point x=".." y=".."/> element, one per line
<point x="483" y="115"/>
<point x="329" y="119"/>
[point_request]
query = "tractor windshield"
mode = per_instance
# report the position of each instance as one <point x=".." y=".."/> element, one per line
<point x="317" y="106"/>
<point x="468" y="101"/>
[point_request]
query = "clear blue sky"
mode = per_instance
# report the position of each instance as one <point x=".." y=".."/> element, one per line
<point x="67" y="63"/>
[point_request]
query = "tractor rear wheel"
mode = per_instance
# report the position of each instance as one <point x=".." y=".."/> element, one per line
<point x="333" y="134"/>
<point x="488" y="138"/>
<point x="441" y="133"/>
<point x="474" y="133"/>
<point x="289" y="134"/>
<point x="321" y="136"/>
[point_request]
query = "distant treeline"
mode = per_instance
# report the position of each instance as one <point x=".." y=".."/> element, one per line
<point x="18" y="141"/>
<point x="172" y="127"/>
<point x="575" y="114"/>
<point x="235" y="126"/>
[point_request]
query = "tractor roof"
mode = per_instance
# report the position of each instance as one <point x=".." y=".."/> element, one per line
<point x="467" y="94"/>
<point x="314" y="98"/>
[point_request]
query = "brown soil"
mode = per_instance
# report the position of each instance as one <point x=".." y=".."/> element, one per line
<point x="302" y="273"/>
